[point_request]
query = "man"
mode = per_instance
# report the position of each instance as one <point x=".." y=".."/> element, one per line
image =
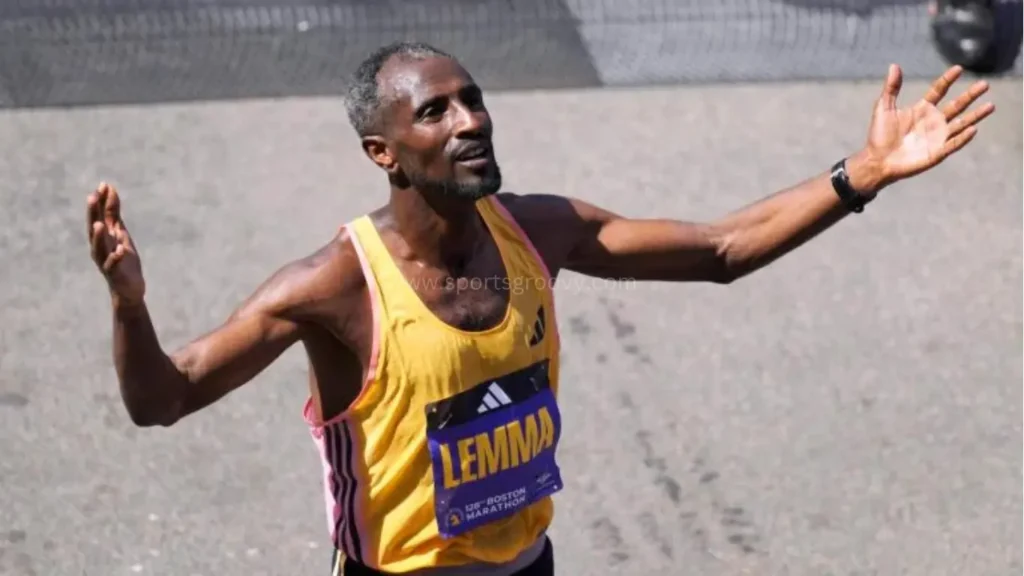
<point x="430" y="325"/>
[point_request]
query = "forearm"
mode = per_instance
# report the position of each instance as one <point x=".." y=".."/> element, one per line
<point x="152" y="387"/>
<point x="757" y="235"/>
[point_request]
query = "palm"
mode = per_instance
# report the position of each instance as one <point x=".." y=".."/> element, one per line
<point x="908" y="141"/>
<point x="915" y="136"/>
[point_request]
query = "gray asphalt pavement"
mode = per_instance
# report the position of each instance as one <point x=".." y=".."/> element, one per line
<point x="855" y="409"/>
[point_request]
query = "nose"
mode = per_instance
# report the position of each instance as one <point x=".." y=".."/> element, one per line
<point x="470" y="121"/>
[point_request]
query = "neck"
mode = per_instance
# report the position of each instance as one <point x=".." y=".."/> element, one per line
<point x="438" y="231"/>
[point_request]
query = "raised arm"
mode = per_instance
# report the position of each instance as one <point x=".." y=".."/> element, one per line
<point x="160" y="388"/>
<point x="901" y="143"/>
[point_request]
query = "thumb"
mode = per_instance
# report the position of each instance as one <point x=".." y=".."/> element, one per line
<point x="891" y="88"/>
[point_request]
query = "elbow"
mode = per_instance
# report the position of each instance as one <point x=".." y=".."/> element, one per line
<point x="725" y="274"/>
<point x="724" y="277"/>
<point x="732" y="268"/>
<point x="143" y="419"/>
<point x="157" y="397"/>
<point x="143" y="416"/>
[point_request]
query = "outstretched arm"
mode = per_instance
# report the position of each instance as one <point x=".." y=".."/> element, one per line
<point x="722" y="251"/>
<point x="901" y="143"/>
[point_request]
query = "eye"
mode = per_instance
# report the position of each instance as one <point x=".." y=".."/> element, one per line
<point x="432" y="110"/>
<point x="473" y="98"/>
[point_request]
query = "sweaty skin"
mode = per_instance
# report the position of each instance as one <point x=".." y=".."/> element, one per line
<point x="435" y="114"/>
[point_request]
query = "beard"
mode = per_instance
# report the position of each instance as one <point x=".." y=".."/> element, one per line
<point x="487" y="184"/>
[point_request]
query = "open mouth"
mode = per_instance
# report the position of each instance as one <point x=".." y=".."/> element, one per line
<point x="474" y="154"/>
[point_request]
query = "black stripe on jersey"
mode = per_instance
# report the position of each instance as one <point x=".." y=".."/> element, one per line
<point x="350" y="506"/>
<point x="335" y="457"/>
<point x="519" y="386"/>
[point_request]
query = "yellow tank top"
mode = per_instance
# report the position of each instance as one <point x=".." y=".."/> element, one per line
<point x="447" y="457"/>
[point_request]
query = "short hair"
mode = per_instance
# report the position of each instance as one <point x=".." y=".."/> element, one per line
<point x="363" y="99"/>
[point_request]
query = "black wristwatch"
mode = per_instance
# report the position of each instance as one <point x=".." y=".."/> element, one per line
<point x="853" y="201"/>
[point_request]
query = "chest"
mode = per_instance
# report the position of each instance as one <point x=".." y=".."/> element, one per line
<point x="475" y="298"/>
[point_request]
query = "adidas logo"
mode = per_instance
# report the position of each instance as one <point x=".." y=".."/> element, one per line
<point x="494" y="398"/>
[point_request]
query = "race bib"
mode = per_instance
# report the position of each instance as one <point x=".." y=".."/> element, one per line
<point x="493" y="449"/>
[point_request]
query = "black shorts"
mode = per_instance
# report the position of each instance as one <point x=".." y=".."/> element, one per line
<point x="544" y="565"/>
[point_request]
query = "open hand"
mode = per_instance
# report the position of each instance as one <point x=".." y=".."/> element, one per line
<point x="907" y="141"/>
<point x="112" y="248"/>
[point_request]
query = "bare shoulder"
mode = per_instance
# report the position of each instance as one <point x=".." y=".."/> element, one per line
<point x="310" y="286"/>
<point x="538" y="209"/>
<point x="555" y="224"/>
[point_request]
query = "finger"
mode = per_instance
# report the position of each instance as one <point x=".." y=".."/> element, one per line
<point x="121" y="233"/>
<point x="98" y="241"/>
<point x="970" y="119"/>
<point x="90" y="213"/>
<point x="891" y="88"/>
<point x="942" y="83"/>
<point x="957" y="142"/>
<point x="112" y="209"/>
<point x="113" y="259"/>
<point x="962" y="102"/>
<point x="94" y="208"/>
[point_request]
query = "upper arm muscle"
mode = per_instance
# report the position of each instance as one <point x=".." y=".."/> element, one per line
<point x="256" y="334"/>
<point x="614" y="247"/>
<point x="576" y="235"/>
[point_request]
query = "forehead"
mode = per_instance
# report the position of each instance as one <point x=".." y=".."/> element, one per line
<point x="411" y="81"/>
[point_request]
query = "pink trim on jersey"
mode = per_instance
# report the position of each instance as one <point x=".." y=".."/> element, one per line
<point x="338" y="446"/>
<point x="522" y="235"/>
<point x="536" y="256"/>
<point x="371" y="368"/>
<point x="331" y="503"/>
<point x="343" y="479"/>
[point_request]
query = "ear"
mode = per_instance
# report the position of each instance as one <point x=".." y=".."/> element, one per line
<point x="377" y="150"/>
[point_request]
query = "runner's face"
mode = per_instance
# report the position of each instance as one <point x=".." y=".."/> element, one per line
<point x="438" y="128"/>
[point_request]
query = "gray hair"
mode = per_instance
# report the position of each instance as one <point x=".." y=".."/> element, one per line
<point x="363" y="99"/>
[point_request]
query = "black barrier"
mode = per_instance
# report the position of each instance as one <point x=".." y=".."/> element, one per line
<point x="983" y="36"/>
<point x="69" y="52"/>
